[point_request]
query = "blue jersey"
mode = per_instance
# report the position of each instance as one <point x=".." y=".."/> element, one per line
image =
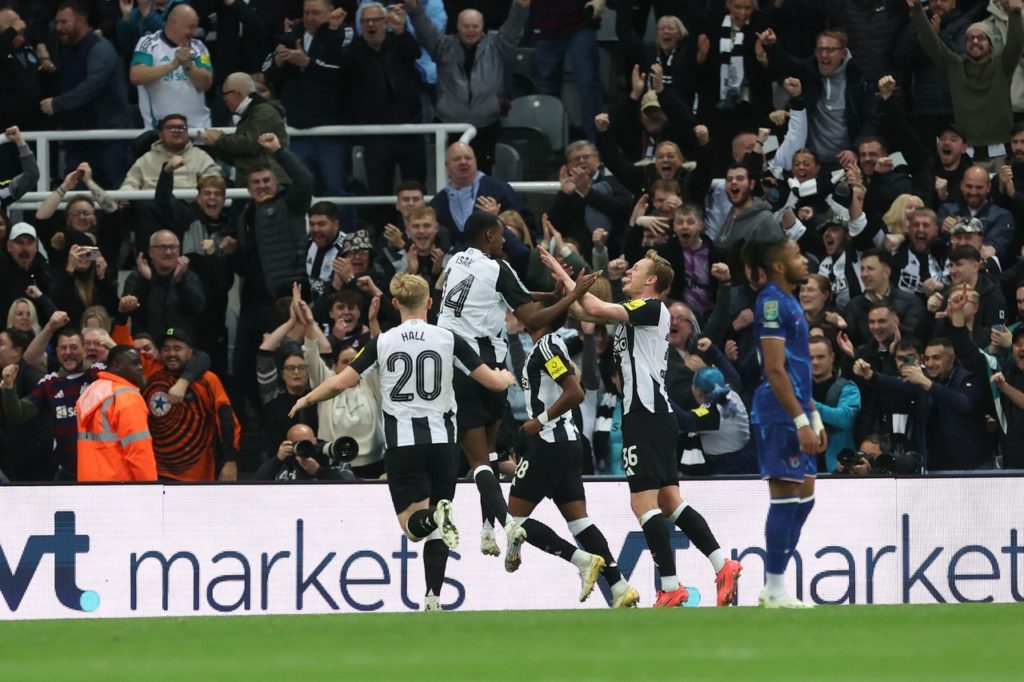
<point x="778" y="315"/>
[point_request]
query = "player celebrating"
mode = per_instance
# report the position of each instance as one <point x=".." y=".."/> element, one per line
<point x="552" y="467"/>
<point x="649" y="428"/>
<point x="415" y="364"/>
<point x="787" y="428"/>
<point x="479" y="287"/>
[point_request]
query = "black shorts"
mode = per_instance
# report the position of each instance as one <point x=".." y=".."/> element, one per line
<point x="478" y="406"/>
<point x="649" y="450"/>
<point x="418" y="472"/>
<point x="550" y="470"/>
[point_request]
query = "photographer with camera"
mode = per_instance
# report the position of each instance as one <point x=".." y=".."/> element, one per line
<point x="301" y="457"/>
<point x="878" y="455"/>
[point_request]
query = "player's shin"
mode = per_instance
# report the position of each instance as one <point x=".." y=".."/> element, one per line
<point x="435" y="559"/>
<point x="778" y="535"/>
<point x="660" y="545"/>
<point x="803" y="510"/>
<point x="590" y="538"/>
<point x="490" y="493"/>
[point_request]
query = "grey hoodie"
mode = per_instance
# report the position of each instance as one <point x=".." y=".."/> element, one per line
<point x="757" y="223"/>
<point x="826" y="132"/>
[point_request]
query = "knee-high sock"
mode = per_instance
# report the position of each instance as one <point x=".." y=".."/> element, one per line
<point x="543" y="538"/>
<point x="690" y="521"/>
<point x="778" y="533"/>
<point x="660" y="544"/>
<point x="491" y="496"/>
<point x="435" y="558"/>
<point x="485" y="514"/>
<point x="592" y="540"/>
<point x="803" y="510"/>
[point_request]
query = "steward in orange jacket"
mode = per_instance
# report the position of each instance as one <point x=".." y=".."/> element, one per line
<point x="113" y="430"/>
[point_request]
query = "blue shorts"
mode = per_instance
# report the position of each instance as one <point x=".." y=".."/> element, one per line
<point x="779" y="455"/>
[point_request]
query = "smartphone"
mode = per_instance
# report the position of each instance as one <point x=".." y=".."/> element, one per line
<point x="999" y="327"/>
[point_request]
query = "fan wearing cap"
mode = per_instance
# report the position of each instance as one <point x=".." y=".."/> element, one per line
<point x="841" y="264"/>
<point x="173" y="149"/>
<point x="951" y="150"/>
<point x="998" y="223"/>
<point x="354" y="270"/>
<point x="195" y="436"/>
<point x="23" y="265"/>
<point x="979" y="80"/>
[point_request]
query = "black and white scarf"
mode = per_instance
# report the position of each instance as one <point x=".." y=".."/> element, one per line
<point x="730" y="49"/>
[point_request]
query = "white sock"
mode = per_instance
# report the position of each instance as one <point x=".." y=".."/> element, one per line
<point x="620" y="587"/>
<point x="487" y="526"/>
<point x="669" y="583"/>
<point x="775" y="584"/>
<point x="492" y="457"/>
<point x="675" y="515"/>
<point x="581" y="559"/>
<point x="717" y="559"/>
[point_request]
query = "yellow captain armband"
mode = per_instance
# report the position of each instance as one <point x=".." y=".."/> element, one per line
<point x="634" y="304"/>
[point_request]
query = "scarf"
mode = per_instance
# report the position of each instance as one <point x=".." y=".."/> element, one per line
<point x="730" y="50"/>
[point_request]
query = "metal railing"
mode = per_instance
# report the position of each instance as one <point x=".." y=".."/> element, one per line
<point x="440" y="131"/>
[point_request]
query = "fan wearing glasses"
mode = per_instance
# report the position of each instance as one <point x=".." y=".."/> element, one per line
<point x="980" y="79"/>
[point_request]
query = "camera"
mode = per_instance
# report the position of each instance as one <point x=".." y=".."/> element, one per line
<point x="89" y="253"/>
<point x="342" y="449"/>
<point x="848" y="458"/>
<point x="898" y="463"/>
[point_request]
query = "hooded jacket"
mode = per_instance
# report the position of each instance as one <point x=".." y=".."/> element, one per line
<point x="113" y="432"/>
<point x="757" y="223"/>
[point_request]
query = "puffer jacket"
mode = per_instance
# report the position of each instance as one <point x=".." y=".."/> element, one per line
<point x="145" y="172"/>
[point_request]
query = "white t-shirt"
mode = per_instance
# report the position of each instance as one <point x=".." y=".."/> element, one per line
<point x="174" y="93"/>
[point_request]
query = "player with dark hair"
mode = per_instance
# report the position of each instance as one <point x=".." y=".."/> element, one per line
<point x="788" y="430"/>
<point x="552" y="467"/>
<point x="649" y="428"/>
<point x="478" y="288"/>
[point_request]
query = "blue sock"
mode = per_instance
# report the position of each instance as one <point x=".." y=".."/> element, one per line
<point x="778" y="533"/>
<point x="803" y="510"/>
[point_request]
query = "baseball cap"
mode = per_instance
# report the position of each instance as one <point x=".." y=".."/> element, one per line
<point x="178" y="333"/>
<point x="950" y="127"/>
<point x="971" y="226"/>
<point x="650" y="99"/>
<point x="21" y="229"/>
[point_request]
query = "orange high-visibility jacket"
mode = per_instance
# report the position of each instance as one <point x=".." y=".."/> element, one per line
<point x="113" y="432"/>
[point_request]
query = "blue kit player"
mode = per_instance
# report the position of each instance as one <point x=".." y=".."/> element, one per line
<point x="788" y="430"/>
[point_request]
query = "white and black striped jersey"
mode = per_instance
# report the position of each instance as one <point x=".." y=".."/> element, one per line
<point x="478" y="290"/>
<point x="319" y="262"/>
<point x="547" y="366"/>
<point x="414" y="361"/>
<point x="641" y="349"/>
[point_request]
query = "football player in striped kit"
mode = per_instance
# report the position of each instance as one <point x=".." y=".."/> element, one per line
<point x="552" y="467"/>
<point x="478" y="288"/>
<point x="649" y="428"/>
<point x="415" y="363"/>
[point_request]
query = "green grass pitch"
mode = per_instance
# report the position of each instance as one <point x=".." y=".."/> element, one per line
<point x="961" y="642"/>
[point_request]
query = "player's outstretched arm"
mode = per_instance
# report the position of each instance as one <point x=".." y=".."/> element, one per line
<point x="493" y="379"/>
<point x="591" y="304"/>
<point x="535" y="316"/>
<point x="773" y="351"/>
<point x="330" y="388"/>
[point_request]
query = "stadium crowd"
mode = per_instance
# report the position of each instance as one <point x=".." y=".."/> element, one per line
<point x="885" y="137"/>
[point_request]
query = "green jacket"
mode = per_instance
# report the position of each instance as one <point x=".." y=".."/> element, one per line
<point x="242" y="149"/>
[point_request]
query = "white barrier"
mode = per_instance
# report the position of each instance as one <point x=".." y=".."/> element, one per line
<point x="440" y="131"/>
<point x="114" y="551"/>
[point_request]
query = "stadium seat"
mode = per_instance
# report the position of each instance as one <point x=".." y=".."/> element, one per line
<point x="536" y="157"/>
<point x="508" y="165"/>
<point x="543" y="112"/>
